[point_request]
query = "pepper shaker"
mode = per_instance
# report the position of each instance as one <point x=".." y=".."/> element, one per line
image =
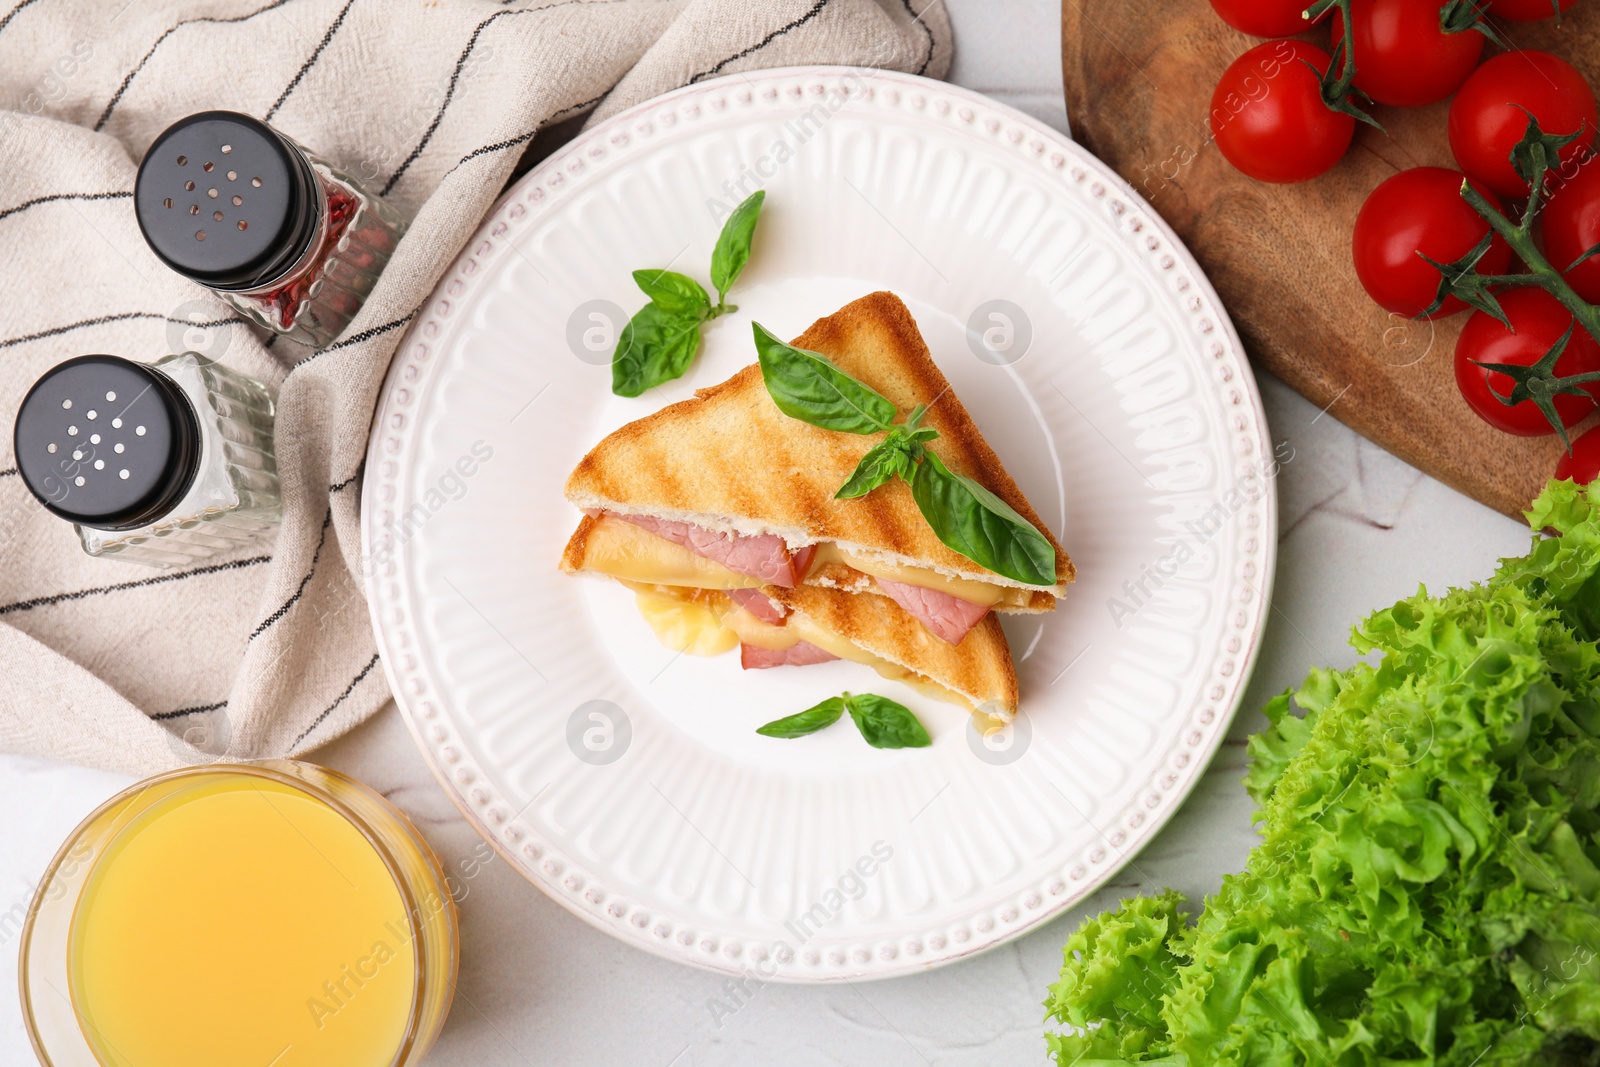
<point x="287" y="238"/>
<point x="164" y="464"/>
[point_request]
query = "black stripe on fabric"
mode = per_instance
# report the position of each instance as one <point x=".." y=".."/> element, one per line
<point x="337" y="487"/>
<point x="369" y="334"/>
<point x="500" y="146"/>
<point x="160" y="579"/>
<point x="455" y="78"/>
<point x="371" y="663"/>
<point x="125" y="316"/>
<point x="355" y="339"/>
<point x="54" y="197"/>
<point x="449" y="95"/>
<point x="300" y="591"/>
<point x="573" y="109"/>
<point x="916" y="18"/>
<point x="199" y="709"/>
<point x="816" y="9"/>
<point x="14" y="12"/>
<point x="116" y="98"/>
<point x="310" y="62"/>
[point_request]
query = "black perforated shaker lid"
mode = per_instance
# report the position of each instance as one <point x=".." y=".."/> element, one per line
<point x="226" y="201"/>
<point x="105" y="442"/>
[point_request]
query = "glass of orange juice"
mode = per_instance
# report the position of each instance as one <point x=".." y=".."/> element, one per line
<point x="274" y="913"/>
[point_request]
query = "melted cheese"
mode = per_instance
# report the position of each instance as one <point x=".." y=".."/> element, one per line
<point x="753" y="631"/>
<point x="961" y="588"/>
<point x="631" y="553"/>
<point x="686" y="620"/>
<point x="706" y="623"/>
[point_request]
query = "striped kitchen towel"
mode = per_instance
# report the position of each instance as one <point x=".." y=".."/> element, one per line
<point x="433" y="102"/>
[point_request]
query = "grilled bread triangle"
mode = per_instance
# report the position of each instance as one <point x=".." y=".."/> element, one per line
<point x="730" y="461"/>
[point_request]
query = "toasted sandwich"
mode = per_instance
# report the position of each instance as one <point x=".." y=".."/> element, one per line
<point x="777" y="627"/>
<point x="726" y="492"/>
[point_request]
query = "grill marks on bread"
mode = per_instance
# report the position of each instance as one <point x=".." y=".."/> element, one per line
<point x="730" y="453"/>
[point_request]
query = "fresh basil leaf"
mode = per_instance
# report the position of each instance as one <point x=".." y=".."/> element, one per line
<point x="806" y="386"/>
<point x="733" y="243"/>
<point x="809" y="721"/>
<point x="926" y="433"/>
<point x="884" y="723"/>
<point x="876" y="467"/>
<point x="974" y="522"/>
<point x="671" y="291"/>
<point x="656" y="346"/>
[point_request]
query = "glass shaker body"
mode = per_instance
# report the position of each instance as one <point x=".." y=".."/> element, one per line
<point x="233" y="502"/>
<point x="166" y="465"/>
<point x="316" y="299"/>
<point x="291" y="241"/>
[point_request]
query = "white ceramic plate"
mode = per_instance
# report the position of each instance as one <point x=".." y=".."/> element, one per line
<point x="1129" y="417"/>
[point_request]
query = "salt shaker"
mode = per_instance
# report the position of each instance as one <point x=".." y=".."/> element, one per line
<point x="290" y="240"/>
<point x="163" y="464"/>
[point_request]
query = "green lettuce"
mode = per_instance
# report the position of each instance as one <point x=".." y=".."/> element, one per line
<point x="1426" y="890"/>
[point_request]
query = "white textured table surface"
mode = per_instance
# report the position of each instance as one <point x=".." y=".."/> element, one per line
<point x="1359" y="529"/>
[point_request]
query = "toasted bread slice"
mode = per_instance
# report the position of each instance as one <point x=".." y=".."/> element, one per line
<point x="730" y="461"/>
<point x="978" y="671"/>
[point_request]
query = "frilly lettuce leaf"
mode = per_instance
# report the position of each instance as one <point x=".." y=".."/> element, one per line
<point x="1426" y="890"/>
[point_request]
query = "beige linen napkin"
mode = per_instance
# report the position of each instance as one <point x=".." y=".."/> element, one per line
<point x="433" y="101"/>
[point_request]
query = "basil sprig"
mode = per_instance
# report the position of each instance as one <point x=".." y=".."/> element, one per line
<point x="662" y="339"/>
<point x="656" y="346"/>
<point x="882" y="722"/>
<point x="806" y="722"/>
<point x="979" y="525"/>
<point x="733" y="244"/>
<point x="806" y="386"/>
<point x="966" y="517"/>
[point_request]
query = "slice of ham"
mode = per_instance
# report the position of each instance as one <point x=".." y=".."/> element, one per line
<point x="767" y="557"/>
<point x="763" y="556"/>
<point x="760" y="605"/>
<point x="948" y="616"/>
<point x="800" y="654"/>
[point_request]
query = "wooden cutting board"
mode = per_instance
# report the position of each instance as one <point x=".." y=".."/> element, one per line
<point x="1139" y="76"/>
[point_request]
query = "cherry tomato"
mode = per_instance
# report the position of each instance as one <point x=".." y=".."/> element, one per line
<point x="1419" y="210"/>
<point x="1403" y="57"/>
<point x="1540" y="321"/>
<point x="1264" y="18"/>
<point x="1571" y="222"/>
<point x="1487" y="119"/>
<point x="1527" y="10"/>
<point x="1582" y="464"/>
<point x="1268" y="116"/>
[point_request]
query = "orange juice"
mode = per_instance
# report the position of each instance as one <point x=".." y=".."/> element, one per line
<point x="244" y="915"/>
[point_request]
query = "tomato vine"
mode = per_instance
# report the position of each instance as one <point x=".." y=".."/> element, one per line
<point x="1532" y="158"/>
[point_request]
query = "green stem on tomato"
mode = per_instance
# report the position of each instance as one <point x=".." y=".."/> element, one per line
<point x="1347" y="46"/>
<point x="1459" y="16"/>
<point x="1336" y="90"/>
<point x="1539" y="384"/>
<point x="1540" y="273"/>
